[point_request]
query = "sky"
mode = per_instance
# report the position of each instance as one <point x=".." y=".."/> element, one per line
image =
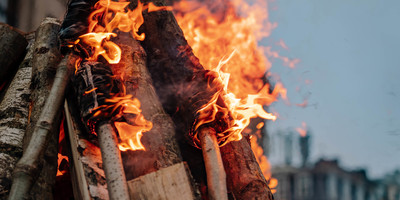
<point x="349" y="72"/>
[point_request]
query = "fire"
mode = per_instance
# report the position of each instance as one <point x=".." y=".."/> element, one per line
<point x="107" y="17"/>
<point x="225" y="32"/>
<point x="215" y="29"/>
<point x="61" y="157"/>
<point x="302" y="130"/>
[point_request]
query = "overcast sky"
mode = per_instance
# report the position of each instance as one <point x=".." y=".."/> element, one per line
<point x="350" y="51"/>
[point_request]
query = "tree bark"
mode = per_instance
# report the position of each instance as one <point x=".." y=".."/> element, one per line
<point x="244" y="177"/>
<point x="28" y="167"/>
<point x="14" y="112"/>
<point x="46" y="56"/>
<point x="161" y="147"/>
<point x="87" y="172"/>
<point x="12" y="50"/>
<point x="179" y="80"/>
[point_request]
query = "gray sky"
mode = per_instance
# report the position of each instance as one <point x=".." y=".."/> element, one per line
<point x="349" y="49"/>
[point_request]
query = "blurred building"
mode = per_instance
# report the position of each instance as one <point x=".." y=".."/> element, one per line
<point x="326" y="179"/>
<point x="27" y="14"/>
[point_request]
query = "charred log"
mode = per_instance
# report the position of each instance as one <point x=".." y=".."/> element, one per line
<point x="181" y="82"/>
<point x="161" y="148"/>
<point x="94" y="83"/>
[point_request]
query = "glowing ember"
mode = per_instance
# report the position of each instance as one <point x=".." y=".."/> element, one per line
<point x="107" y="17"/>
<point x="302" y="130"/>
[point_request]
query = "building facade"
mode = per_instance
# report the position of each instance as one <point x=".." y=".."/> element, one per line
<point x="326" y="180"/>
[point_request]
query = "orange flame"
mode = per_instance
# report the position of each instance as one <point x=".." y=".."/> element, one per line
<point x="215" y="29"/>
<point x="264" y="163"/>
<point x="302" y="130"/>
<point x="243" y="72"/>
<point x="107" y="17"/>
<point x="60" y="156"/>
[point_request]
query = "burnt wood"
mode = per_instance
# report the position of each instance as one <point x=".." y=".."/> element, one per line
<point x="161" y="147"/>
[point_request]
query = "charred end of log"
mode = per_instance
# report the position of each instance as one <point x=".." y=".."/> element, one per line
<point x="94" y="82"/>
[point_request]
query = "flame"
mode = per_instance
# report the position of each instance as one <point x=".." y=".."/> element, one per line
<point x="264" y="163"/>
<point x="107" y="17"/>
<point x="215" y="29"/>
<point x="61" y="157"/>
<point x="302" y="130"/>
<point x="213" y="35"/>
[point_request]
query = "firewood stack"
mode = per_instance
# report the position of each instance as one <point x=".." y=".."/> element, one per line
<point x="153" y="93"/>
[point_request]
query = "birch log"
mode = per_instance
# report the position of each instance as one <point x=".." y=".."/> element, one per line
<point x="46" y="56"/>
<point x="12" y="50"/>
<point x="14" y="112"/>
<point x="88" y="177"/>
<point x="28" y="167"/>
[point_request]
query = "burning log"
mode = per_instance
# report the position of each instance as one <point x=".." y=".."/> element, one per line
<point x="216" y="177"/>
<point x="28" y="166"/>
<point x="161" y="149"/>
<point x="174" y="68"/>
<point x="94" y="83"/>
<point x="244" y="177"/>
<point x="13" y="48"/>
<point x="14" y="112"/>
<point x="46" y="57"/>
<point x="161" y="154"/>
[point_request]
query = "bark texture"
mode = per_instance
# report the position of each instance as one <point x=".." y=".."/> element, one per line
<point x="244" y="177"/>
<point x="216" y="176"/>
<point x="161" y="147"/>
<point x="14" y="112"/>
<point x="12" y="50"/>
<point x="88" y="177"/>
<point x="113" y="168"/>
<point x="28" y="167"/>
<point x="181" y="82"/>
<point x="46" y="57"/>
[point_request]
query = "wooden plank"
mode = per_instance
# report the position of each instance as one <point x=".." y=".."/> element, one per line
<point x="170" y="183"/>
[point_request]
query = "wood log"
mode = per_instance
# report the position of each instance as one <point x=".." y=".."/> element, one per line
<point x="167" y="183"/>
<point x="94" y="83"/>
<point x="181" y="82"/>
<point x="88" y="177"/>
<point x="244" y="177"/>
<point x="28" y="166"/>
<point x="161" y="147"/>
<point x="46" y="57"/>
<point x="113" y="168"/>
<point x="13" y="48"/>
<point x="14" y="112"/>
<point x="174" y="67"/>
<point x="216" y="177"/>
